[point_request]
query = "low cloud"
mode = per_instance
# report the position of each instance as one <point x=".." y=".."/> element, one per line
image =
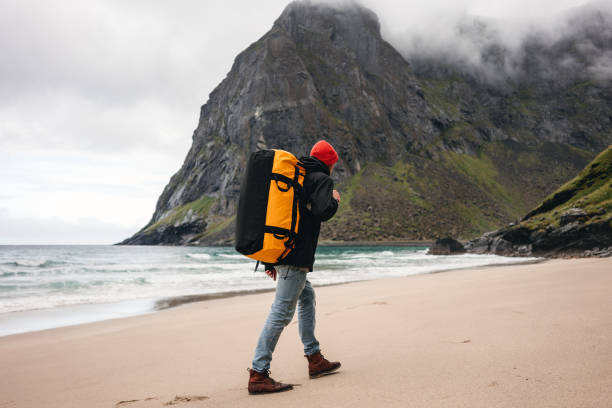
<point x="602" y="67"/>
<point x="571" y="41"/>
<point x="113" y="75"/>
<point x="54" y="230"/>
<point x="65" y="121"/>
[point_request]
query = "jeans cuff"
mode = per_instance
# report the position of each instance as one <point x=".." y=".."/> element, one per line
<point x="311" y="351"/>
<point x="259" y="369"/>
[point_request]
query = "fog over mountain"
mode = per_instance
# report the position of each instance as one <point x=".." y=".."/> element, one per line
<point x="574" y="41"/>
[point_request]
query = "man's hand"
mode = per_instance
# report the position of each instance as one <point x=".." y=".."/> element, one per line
<point x="336" y="195"/>
<point x="271" y="272"/>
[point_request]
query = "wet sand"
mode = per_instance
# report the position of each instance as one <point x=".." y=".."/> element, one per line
<point x="536" y="335"/>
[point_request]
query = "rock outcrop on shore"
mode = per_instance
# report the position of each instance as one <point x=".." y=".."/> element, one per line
<point x="425" y="150"/>
<point x="446" y="246"/>
<point x="576" y="220"/>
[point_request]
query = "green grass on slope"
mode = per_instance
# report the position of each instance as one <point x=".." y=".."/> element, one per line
<point x="481" y="170"/>
<point x="590" y="190"/>
<point x="216" y="225"/>
<point x="199" y="206"/>
<point x="347" y="190"/>
<point x="438" y="96"/>
<point x="457" y="194"/>
<point x="418" y="199"/>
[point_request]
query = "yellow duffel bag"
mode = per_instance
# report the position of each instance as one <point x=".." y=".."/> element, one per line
<point x="269" y="206"/>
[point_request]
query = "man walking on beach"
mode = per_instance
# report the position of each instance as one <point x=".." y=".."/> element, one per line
<point x="293" y="288"/>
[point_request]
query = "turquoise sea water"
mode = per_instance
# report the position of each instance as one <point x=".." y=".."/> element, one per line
<point x="50" y="286"/>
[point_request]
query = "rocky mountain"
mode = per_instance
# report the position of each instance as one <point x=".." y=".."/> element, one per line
<point x="576" y="220"/>
<point x="425" y="151"/>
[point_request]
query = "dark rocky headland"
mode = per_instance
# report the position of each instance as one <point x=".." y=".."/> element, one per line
<point x="576" y="220"/>
<point x="427" y="149"/>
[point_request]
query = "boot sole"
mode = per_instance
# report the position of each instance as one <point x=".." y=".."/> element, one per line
<point x="323" y="374"/>
<point x="270" y="392"/>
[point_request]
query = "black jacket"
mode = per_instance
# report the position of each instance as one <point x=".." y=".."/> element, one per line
<point x="320" y="206"/>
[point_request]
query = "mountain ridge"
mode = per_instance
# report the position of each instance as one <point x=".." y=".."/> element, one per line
<point x="420" y="156"/>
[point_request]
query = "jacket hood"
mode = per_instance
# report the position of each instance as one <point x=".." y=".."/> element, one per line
<point x="312" y="164"/>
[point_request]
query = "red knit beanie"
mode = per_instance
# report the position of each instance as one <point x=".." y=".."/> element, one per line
<point x="324" y="152"/>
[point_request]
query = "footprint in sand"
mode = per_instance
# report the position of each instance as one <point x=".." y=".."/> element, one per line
<point x="120" y="403"/>
<point x="125" y="402"/>
<point x="179" y="399"/>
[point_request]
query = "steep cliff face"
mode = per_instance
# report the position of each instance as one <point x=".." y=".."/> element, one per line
<point x="421" y="154"/>
<point x="318" y="73"/>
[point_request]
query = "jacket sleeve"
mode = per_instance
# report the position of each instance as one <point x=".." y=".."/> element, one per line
<point x="323" y="204"/>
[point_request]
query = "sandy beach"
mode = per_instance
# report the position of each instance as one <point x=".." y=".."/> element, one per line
<point x="537" y="335"/>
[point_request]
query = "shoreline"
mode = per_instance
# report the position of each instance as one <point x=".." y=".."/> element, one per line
<point x="175" y="301"/>
<point x="76" y="314"/>
<point x="398" y="243"/>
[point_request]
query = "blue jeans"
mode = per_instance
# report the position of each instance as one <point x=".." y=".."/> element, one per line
<point x="292" y="289"/>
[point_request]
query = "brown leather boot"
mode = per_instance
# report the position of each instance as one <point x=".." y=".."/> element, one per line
<point x="318" y="365"/>
<point x="262" y="383"/>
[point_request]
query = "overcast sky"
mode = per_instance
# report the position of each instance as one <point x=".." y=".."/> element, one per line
<point x="99" y="98"/>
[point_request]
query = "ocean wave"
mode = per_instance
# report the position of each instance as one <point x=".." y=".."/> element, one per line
<point x="9" y="274"/>
<point x="71" y="284"/>
<point x="50" y="263"/>
<point x="121" y="269"/>
<point x="231" y="266"/>
<point x="141" y="281"/>
<point x="45" y="264"/>
<point x="362" y="256"/>
<point x="366" y="255"/>
<point x="232" y="256"/>
<point x="383" y="254"/>
<point x="199" y="256"/>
